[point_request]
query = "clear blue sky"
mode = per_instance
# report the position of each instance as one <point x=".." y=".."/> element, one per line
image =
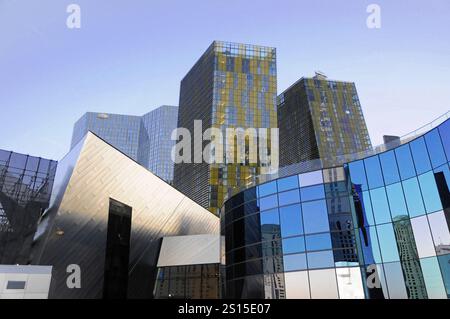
<point x="129" y="57"/>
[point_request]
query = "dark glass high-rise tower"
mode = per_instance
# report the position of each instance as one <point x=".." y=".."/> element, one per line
<point x="320" y="118"/>
<point x="231" y="86"/>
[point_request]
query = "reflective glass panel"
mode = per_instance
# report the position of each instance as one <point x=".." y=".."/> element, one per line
<point x="287" y="183"/>
<point x="389" y="167"/>
<point x="318" y="242"/>
<point x="433" y="278"/>
<point x="291" y="221"/>
<point x="395" y="281"/>
<point x="388" y="244"/>
<point x="268" y="202"/>
<point x="358" y="174"/>
<point x="293" y="245"/>
<point x="311" y="178"/>
<point x="430" y="192"/>
<point x="420" y="155"/>
<point x="422" y="235"/>
<point x="350" y="283"/>
<point x="413" y="197"/>
<point x="373" y="172"/>
<point x="435" y="148"/>
<point x="289" y="197"/>
<point x="405" y="162"/>
<point x="396" y="200"/>
<point x="312" y="193"/>
<point x="444" y="263"/>
<point x="294" y="262"/>
<point x="440" y="232"/>
<point x="333" y="175"/>
<point x="367" y="208"/>
<point x="267" y="189"/>
<point x="323" y="284"/>
<point x="380" y="206"/>
<point x="444" y="130"/>
<point x="320" y="259"/>
<point x="270" y="217"/>
<point x="315" y="217"/>
<point x="297" y="285"/>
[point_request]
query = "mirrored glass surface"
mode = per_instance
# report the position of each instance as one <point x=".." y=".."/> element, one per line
<point x="396" y="200"/>
<point x="323" y="284"/>
<point x="310" y="178"/>
<point x="389" y="167"/>
<point x="388" y="243"/>
<point x="413" y="197"/>
<point x="291" y="221"/>
<point x="297" y="285"/>
<point x="373" y="172"/>
<point x="287" y="183"/>
<point x="294" y="262"/>
<point x="293" y="245"/>
<point x="380" y="206"/>
<point x="440" y="231"/>
<point x="268" y="202"/>
<point x="444" y="131"/>
<point x="318" y="242"/>
<point x="289" y="197"/>
<point x="435" y="148"/>
<point x="312" y="193"/>
<point x="267" y="188"/>
<point x="358" y="174"/>
<point x="444" y="263"/>
<point x="395" y="281"/>
<point x="315" y="217"/>
<point x="320" y="259"/>
<point x="420" y="155"/>
<point x="405" y="162"/>
<point x="422" y="235"/>
<point x="430" y="192"/>
<point x="433" y="278"/>
<point x="350" y="283"/>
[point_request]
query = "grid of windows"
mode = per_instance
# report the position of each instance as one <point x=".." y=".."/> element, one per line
<point x="382" y="219"/>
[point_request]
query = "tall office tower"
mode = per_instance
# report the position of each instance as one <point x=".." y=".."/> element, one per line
<point x="231" y="86"/>
<point x="146" y="139"/>
<point x="159" y="125"/>
<point x="320" y="118"/>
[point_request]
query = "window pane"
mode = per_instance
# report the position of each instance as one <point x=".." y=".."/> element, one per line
<point x="405" y="162"/>
<point x="389" y="166"/>
<point x="430" y="192"/>
<point x="413" y="197"/>
<point x="444" y="263"/>
<point x="287" y="183"/>
<point x="291" y="221"/>
<point x="312" y="193"/>
<point x="323" y="284"/>
<point x="357" y="174"/>
<point x="311" y="178"/>
<point x="315" y="217"/>
<point x="433" y="278"/>
<point x="267" y="189"/>
<point x="297" y="285"/>
<point x="294" y="262"/>
<point x="270" y="217"/>
<point x="420" y="155"/>
<point x="394" y="278"/>
<point x="18" y="160"/>
<point x="350" y="283"/>
<point x="388" y="244"/>
<point x="370" y="246"/>
<point x="396" y="200"/>
<point x="293" y="245"/>
<point x="435" y="148"/>
<point x="422" y="235"/>
<point x="333" y="175"/>
<point x="367" y="208"/>
<point x="444" y="130"/>
<point x="373" y="172"/>
<point x="380" y="206"/>
<point x="320" y="259"/>
<point x="268" y="202"/>
<point x="440" y="231"/>
<point x="289" y="197"/>
<point x="318" y="242"/>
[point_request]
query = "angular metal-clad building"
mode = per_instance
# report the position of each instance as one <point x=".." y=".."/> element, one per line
<point x="107" y="216"/>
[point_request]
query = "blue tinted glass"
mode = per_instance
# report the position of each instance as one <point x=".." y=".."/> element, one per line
<point x="396" y="200"/>
<point x="442" y="174"/>
<point x="405" y="162"/>
<point x="380" y="206"/>
<point x="373" y="172"/>
<point x="430" y="192"/>
<point x="270" y="217"/>
<point x="294" y="262"/>
<point x="321" y="259"/>
<point x="444" y="263"/>
<point x="444" y="130"/>
<point x="267" y="189"/>
<point x="388" y="244"/>
<point x="369" y="245"/>
<point x="413" y="197"/>
<point x="389" y="167"/>
<point x="268" y="202"/>
<point x="315" y="217"/>
<point x="291" y="221"/>
<point x="312" y="193"/>
<point x="293" y="245"/>
<point x="420" y="155"/>
<point x="310" y="178"/>
<point x="318" y="242"/>
<point x="289" y="197"/>
<point x="367" y="208"/>
<point x="435" y="148"/>
<point x="287" y="183"/>
<point x="357" y="174"/>
<point x="433" y="278"/>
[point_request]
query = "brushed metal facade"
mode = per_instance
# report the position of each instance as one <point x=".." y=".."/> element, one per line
<point x="74" y="228"/>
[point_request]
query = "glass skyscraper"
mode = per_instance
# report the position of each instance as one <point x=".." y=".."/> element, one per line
<point x="146" y="139"/>
<point x="231" y="86"/>
<point x="320" y="118"/>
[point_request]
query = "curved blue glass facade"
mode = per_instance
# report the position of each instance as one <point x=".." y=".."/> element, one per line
<point x="373" y="228"/>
